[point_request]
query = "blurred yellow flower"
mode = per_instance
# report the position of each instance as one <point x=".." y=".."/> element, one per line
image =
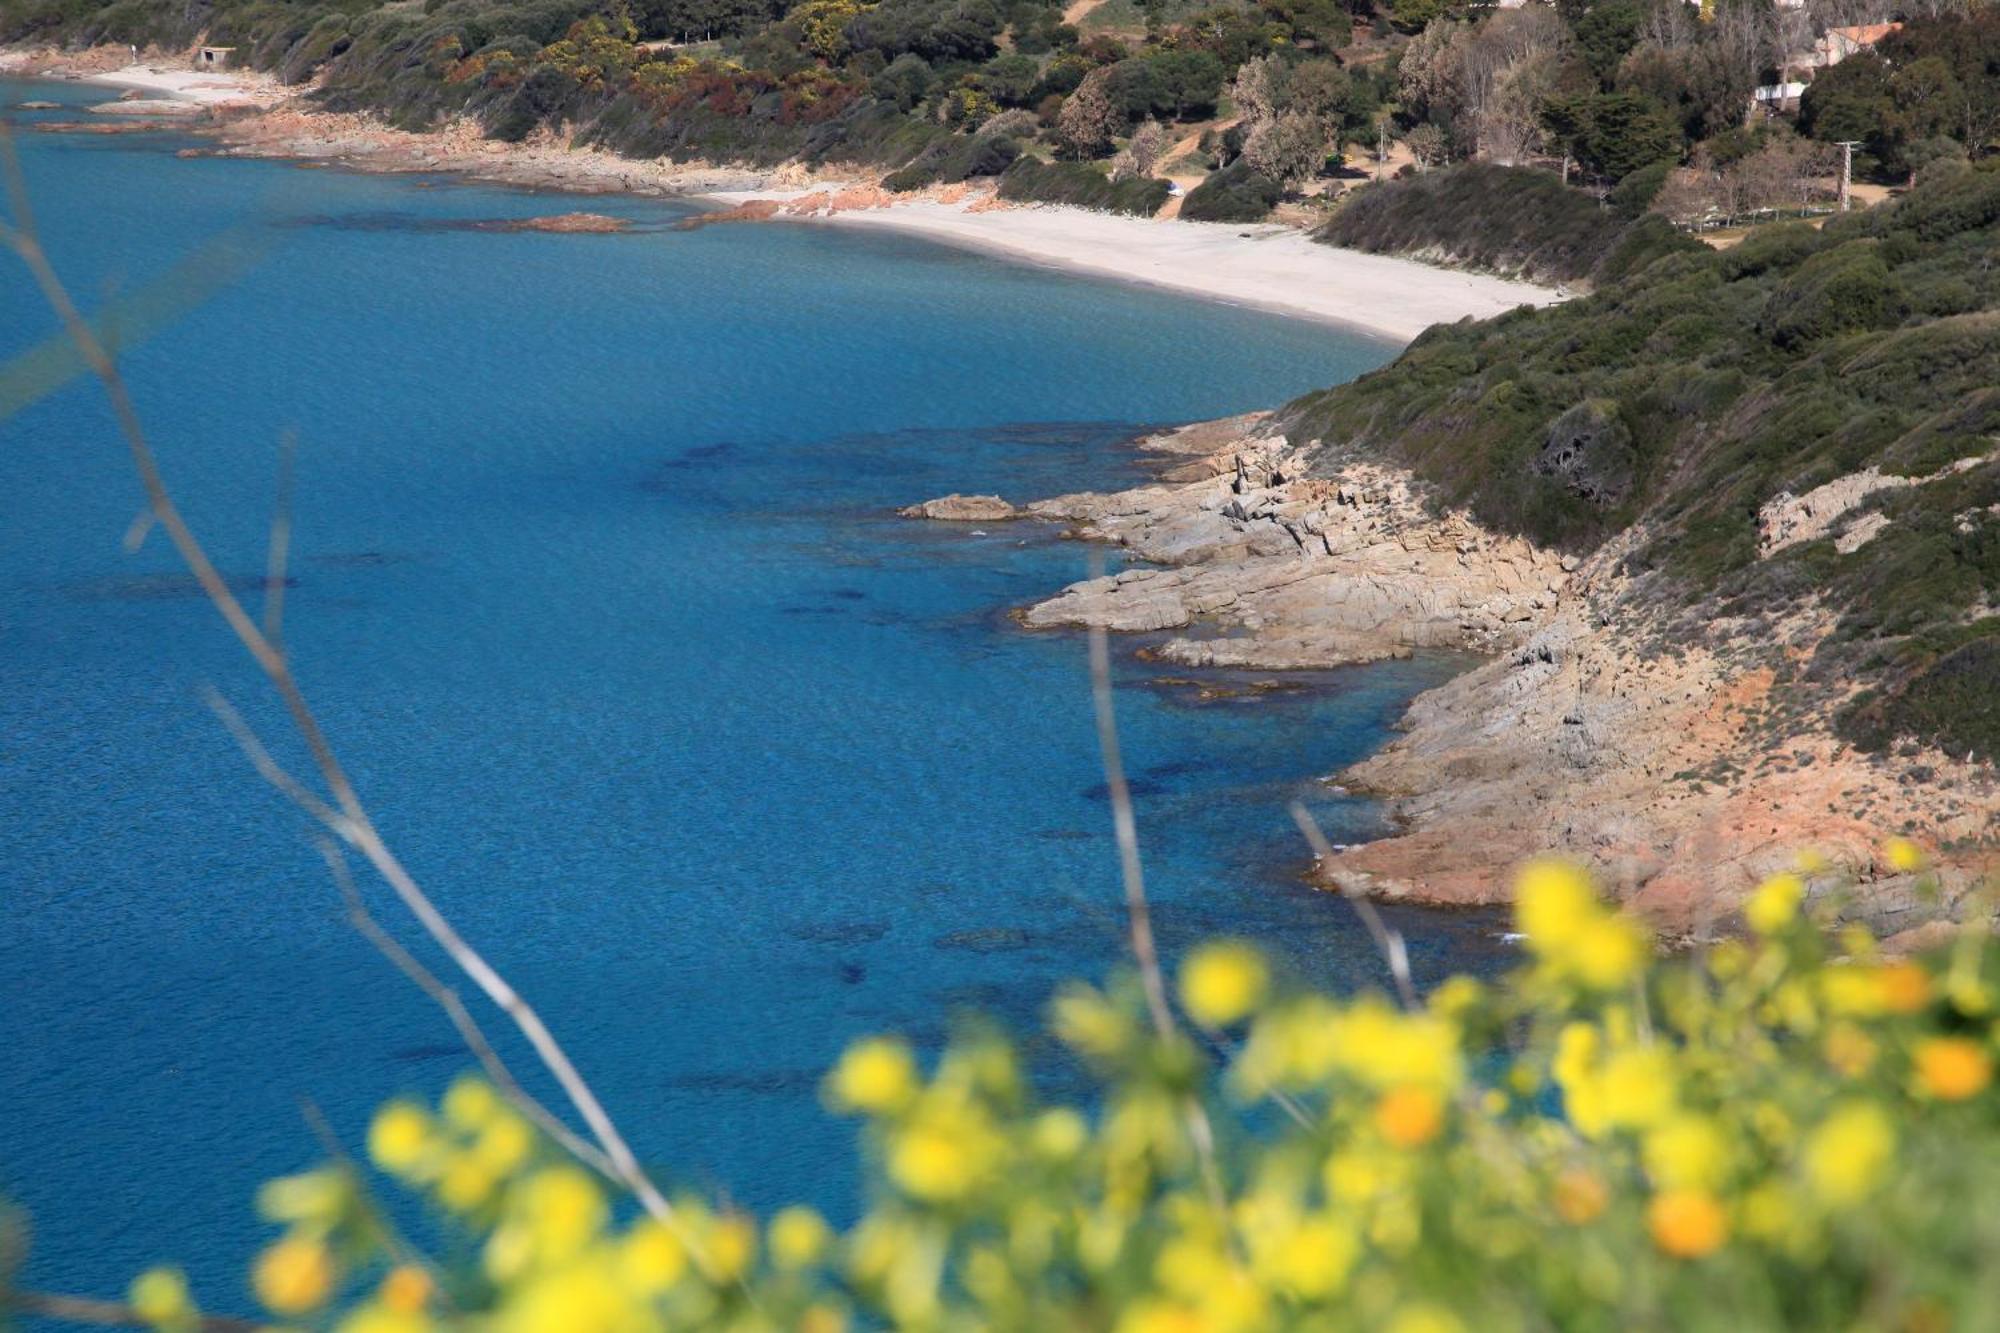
<point x="399" y="1137"/>
<point x="1638" y="1087"/>
<point x="562" y="1209"/>
<point x="1848" y="1155"/>
<point x="1849" y="1050"/>
<point x="470" y="1102"/>
<point x="1087" y="1021"/>
<point x="799" y="1236"/>
<point x="160" y="1297"/>
<point x="876" y="1076"/>
<point x="1686" y="1152"/>
<point x="1775" y="903"/>
<point x="1553" y="902"/>
<point x="933" y="1161"/>
<point x="1060" y="1134"/>
<point x="1687" y="1224"/>
<point x="382" y="1319"/>
<point x="1905" y="987"/>
<point x="1608" y="953"/>
<point x="1904" y="856"/>
<point x="652" y="1257"/>
<point x="504" y="1144"/>
<point x="1425" y="1319"/>
<point x="465" y="1183"/>
<point x="1409" y="1116"/>
<point x="406" y="1289"/>
<point x="730" y="1249"/>
<point x="1313" y="1259"/>
<point x="1223" y="983"/>
<point x="315" y="1198"/>
<point x="293" y="1276"/>
<point x="1952" y="1069"/>
<point x="1579" y="1196"/>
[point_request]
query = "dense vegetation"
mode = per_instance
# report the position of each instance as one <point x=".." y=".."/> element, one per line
<point x="1674" y="402"/>
<point x="1275" y="91"/>
<point x="1791" y="1132"/>
<point x="1507" y="219"/>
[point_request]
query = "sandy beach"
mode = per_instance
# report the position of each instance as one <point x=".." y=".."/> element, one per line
<point x="1263" y="266"/>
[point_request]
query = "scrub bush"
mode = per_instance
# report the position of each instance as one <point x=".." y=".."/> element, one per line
<point x="1790" y="1131"/>
<point x="1234" y="194"/>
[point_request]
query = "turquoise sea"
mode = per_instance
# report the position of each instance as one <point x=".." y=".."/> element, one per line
<point x="599" y="592"/>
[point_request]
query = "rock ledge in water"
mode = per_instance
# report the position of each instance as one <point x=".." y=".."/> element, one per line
<point x="957" y="508"/>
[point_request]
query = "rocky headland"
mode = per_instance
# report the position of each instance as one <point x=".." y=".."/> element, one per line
<point x="1671" y="751"/>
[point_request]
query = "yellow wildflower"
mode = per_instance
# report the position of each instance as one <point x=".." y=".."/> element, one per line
<point x="1687" y="1224"/>
<point x="1849" y="1050"/>
<point x="1553" y="903"/>
<point x="1425" y="1319"/>
<point x="406" y="1289"/>
<point x="577" y="1298"/>
<point x="1090" y="1023"/>
<point x="1608" y="953"/>
<point x="1905" y="987"/>
<point x="504" y="1143"/>
<point x="1223" y="983"/>
<point x="799" y="1236"/>
<point x="876" y="1076"/>
<point x="399" y="1138"/>
<point x="938" y="1160"/>
<point x="1313" y="1259"/>
<point x="1952" y="1069"/>
<point x="731" y="1248"/>
<point x="1775" y="904"/>
<point x="1687" y="1152"/>
<point x="1849" y="1154"/>
<point x="382" y="1319"/>
<point x="1410" y="1115"/>
<point x="1060" y="1134"/>
<point x="1638" y="1087"/>
<point x="652" y="1257"/>
<point x="293" y="1276"/>
<point x="314" y="1198"/>
<point x="160" y="1297"/>
<point x="1904" y="856"/>
<point x="1579" y="1196"/>
<point x="470" y="1102"/>
<point x="562" y="1209"/>
<point x="465" y="1183"/>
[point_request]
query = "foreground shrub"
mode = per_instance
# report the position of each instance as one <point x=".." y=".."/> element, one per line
<point x="1793" y="1131"/>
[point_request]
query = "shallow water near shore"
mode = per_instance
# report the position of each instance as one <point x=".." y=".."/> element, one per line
<point x="597" y="588"/>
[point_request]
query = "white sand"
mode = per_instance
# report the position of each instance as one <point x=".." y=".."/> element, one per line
<point x="168" y="82"/>
<point x="1265" y="266"/>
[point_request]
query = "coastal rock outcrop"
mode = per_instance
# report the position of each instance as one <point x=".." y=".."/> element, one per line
<point x="956" y="508"/>
<point x="1671" y="753"/>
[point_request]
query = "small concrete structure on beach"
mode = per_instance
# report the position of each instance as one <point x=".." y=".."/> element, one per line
<point x="213" y="57"/>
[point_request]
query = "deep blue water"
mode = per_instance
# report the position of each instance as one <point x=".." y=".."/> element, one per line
<point x="598" y="593"/>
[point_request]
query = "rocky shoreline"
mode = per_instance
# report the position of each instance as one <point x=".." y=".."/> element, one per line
<point x="1672" y="758"/>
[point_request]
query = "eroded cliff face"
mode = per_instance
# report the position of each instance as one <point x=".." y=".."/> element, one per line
<point x="1684" y="758"/>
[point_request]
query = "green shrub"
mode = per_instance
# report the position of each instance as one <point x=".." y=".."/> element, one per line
<point x="1234" y="194"/>
<point x="1083" y="185"/>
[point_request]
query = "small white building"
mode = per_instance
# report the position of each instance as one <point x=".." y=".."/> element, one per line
<point x="213" y="57"/>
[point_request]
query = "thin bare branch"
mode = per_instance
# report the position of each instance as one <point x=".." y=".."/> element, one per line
<point x="1387" y="940"/>
<point x="354" y="827"/>
<point x="268" y="768"/>
<point x="108" y="1314"/>
<point x="1138" y="912"/>
<point x="281" y="541"/>
<point x="461" y="1018"/>
<point x="1139" y="915"/>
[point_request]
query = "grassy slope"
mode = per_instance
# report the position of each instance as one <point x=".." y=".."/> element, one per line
<point x="1707" y="383"/>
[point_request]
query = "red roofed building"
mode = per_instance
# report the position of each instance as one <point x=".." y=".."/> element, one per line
<point x="1840" y="43"/>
